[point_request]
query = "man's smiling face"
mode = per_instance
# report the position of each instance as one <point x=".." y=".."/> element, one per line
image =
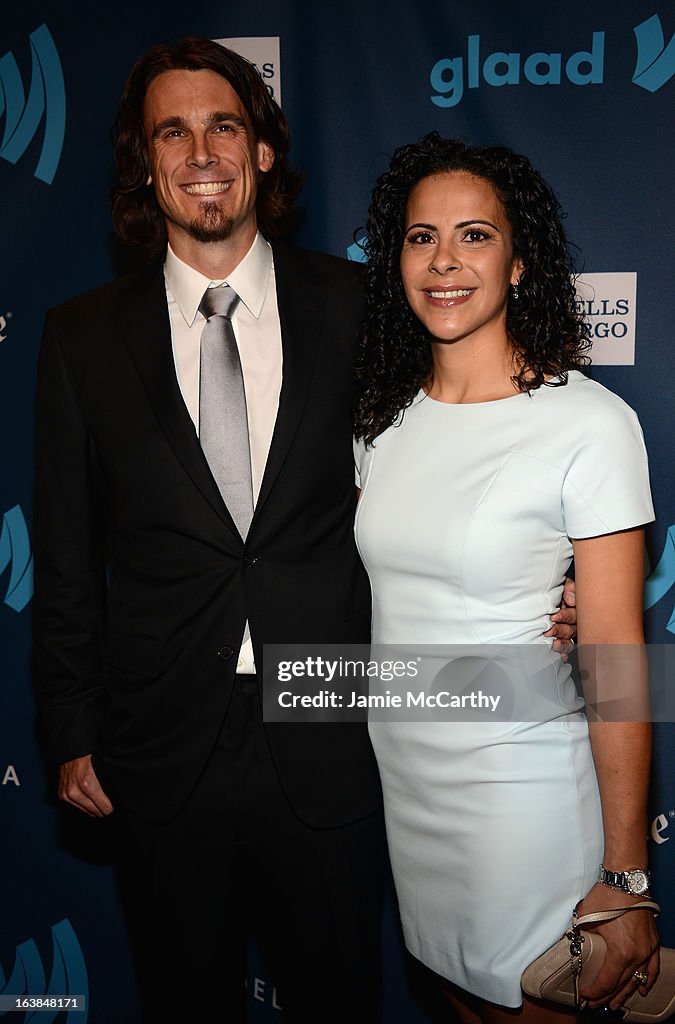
<point x="204" y="159"/>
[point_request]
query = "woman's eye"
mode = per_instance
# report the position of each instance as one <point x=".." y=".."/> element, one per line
<point x="475" y="235"/>
<point x="420" y="238"/>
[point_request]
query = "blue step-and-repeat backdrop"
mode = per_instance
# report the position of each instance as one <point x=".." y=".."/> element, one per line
<point x="584" y="88"/>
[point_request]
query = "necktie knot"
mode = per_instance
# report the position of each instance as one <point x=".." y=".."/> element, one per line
<point x="220" y="301"/>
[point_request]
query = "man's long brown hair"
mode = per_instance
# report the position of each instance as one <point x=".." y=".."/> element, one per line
<point x="137" y="217"/>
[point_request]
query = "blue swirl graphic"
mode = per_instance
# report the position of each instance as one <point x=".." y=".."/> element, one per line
<point x="655" y="63"/>
<point x="663" y="577"/>
<point x="46" y="99"/>
<point x="68" y="976"/>
<point x="356" y="251"/>
<point x="15" y="551"/>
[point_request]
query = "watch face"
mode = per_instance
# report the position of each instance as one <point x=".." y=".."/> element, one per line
<point x="637" y="882"/>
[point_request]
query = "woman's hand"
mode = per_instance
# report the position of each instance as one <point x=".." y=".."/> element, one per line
<point x="632" y="945"/>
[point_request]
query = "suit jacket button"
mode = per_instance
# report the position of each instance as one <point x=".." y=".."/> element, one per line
<point x="250" y="560"/>
<point x="225" y="653"/>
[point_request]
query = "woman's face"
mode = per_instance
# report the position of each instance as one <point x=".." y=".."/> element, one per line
<point x="457" y="259"/>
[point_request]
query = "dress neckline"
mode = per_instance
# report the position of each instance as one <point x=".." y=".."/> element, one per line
<point x="423" y="396"/>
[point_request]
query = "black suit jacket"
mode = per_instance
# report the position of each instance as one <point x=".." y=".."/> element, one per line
<point x="143" y="584"/>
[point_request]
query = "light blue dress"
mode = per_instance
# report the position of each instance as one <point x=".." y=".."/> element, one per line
<point x="464" y="526"/>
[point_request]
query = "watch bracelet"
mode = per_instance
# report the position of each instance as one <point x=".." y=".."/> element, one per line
<point x="619" y="879"/>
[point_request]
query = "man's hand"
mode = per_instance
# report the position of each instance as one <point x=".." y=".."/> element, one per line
<point x="79" y="786"/>
<point x="564" y="620"/>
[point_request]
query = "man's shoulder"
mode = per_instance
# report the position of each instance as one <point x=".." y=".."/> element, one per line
<point x="107" y="299"/>
<point x="323" y="268"/>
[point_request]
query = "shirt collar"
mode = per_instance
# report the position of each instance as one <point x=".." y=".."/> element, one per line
<point x="250" y="280"/>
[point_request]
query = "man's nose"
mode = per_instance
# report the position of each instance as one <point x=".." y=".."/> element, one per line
<point x="201" y="151"/>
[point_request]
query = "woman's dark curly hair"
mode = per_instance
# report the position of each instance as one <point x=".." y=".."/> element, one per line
<point x="545" y="328"/>
<point x="137" y="217"/>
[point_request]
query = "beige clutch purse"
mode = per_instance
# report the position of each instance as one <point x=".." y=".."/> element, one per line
<point x="556" y="974"/>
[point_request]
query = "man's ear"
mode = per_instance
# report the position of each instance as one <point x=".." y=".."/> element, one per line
<point x="265" y="156"/>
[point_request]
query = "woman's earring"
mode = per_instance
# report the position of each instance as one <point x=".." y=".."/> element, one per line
<point x="515" y="295"/>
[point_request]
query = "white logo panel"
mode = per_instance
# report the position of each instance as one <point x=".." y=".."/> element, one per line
<point x="608" y="303"/>
<point x="265" y="53"/>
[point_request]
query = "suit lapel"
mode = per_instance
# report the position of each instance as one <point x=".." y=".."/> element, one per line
<point x="301" y="312"/>
<point x="147" y="334"/>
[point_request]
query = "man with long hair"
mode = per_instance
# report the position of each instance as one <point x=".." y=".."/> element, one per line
<point x="195" y="500"/>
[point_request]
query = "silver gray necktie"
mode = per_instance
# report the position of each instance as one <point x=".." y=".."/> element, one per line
<point x="223" y="420"/>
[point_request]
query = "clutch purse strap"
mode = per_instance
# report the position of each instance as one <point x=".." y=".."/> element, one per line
<point x="576" y="939"/>
<point x="610" y="915"/>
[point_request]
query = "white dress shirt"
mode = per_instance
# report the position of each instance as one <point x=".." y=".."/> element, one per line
<point x="257" y="330"/>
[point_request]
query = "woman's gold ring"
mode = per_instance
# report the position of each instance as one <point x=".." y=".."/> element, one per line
<point x="641" y="977"/>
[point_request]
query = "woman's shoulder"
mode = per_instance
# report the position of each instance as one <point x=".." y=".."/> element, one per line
<point x="589" y="400"/>
<point x="606" y="485"/>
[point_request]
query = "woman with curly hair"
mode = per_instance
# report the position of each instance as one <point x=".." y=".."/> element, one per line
<point x="487" y="459"/>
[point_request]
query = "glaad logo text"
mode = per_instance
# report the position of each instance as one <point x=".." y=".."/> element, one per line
<point x="46" y="101"/>
<point x="654" y="66"/>
<point x="586" y="67"/>
<point x="660" y="826"/>
<point x="15" y="552"/>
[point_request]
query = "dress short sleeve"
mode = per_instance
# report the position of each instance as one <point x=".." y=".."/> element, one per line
<point x="359" y="452"/>
<point x="606" y="487"/>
